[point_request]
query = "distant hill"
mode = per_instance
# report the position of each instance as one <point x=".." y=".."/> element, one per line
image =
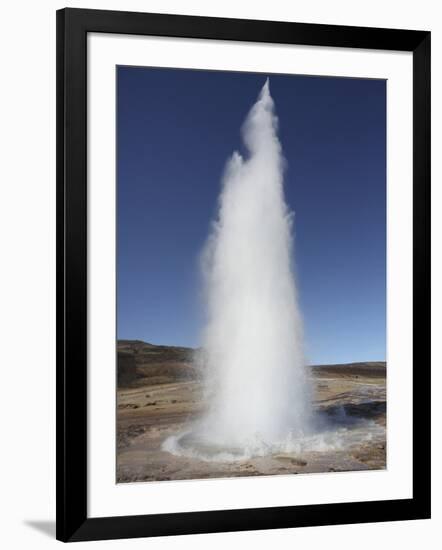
<point x="138" y="361"/>
<point x="141" y="363"/>
<point x="373" y="369"/>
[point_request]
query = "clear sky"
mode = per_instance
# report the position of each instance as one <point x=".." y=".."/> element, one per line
<point x="176" y="129"/>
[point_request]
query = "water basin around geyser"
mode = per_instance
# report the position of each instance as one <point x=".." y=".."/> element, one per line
<point x="346" y="434"/>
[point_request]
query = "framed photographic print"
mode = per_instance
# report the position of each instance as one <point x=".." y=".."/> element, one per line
<point x="243" y="274"/>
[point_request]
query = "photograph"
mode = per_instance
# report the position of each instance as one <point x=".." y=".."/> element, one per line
<point x="250" y="274"/>
<point x="220" y="275"/>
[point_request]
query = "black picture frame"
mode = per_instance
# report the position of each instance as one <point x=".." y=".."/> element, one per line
<point x="73" y="25"/>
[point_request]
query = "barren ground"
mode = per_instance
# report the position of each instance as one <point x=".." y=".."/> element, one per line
<point x="159" y="394"/>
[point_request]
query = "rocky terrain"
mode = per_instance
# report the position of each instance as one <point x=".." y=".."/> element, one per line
<point x="160" y="392"/>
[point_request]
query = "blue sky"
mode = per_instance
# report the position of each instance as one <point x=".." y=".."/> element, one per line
<point x="176" y="129"/>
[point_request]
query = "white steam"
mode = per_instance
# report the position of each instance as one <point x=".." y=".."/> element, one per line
<point x="256" y="380"/>
<point x="257" y="389"/>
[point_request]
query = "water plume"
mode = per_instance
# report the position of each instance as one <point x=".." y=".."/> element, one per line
<point x="256" y="386"/>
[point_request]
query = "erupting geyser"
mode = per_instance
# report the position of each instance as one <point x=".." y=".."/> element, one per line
<point x="257" y="390"/>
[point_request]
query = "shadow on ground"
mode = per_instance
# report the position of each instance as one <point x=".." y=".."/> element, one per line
<point x="46" y="527"/>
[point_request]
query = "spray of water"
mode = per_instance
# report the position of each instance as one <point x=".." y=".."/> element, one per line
<point x="256" y="378"/>
<point x="256" y="384"/>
